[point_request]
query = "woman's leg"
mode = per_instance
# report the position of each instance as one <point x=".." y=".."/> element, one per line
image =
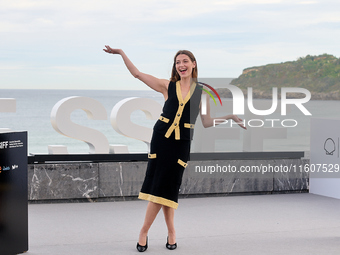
<point x="151" y="212"/>
<point x="169" y="215"/>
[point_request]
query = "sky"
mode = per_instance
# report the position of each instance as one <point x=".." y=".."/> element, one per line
<point x="46" y="44"/>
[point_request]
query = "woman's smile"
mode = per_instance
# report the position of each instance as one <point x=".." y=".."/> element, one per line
<point x="183" y="70"/>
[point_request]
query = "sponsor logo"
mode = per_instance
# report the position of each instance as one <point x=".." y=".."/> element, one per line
<point x="329" y="146"/>
<point x="8" y="168"/>
<point x="3" y="145"/>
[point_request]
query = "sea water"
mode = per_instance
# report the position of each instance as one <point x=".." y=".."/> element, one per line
<point x="34" y="110"/>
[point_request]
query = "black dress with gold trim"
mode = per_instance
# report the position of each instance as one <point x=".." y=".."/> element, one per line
<point x="170" y="146"/>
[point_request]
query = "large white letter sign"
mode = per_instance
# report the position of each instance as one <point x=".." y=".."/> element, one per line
<point x="7" y="105"/>
<point x="61" y="121"/>
<point x="121" y="122"/>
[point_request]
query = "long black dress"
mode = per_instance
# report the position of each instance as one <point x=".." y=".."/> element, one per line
<point x="170" y="146"/>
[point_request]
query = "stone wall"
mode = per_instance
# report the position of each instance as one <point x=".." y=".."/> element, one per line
<point x="64" y="182"/>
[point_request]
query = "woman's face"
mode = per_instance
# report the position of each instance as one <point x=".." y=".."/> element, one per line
<point x="184" y="66"/>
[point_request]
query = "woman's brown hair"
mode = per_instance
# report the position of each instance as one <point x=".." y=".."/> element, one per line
<point x="174" y="75"/>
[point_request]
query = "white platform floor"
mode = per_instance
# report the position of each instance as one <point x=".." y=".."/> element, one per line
<point x="253" y="225"/>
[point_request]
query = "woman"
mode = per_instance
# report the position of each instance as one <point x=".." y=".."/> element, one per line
<point x="170" y="144"/>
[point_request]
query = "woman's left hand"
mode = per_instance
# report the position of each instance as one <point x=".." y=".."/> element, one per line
<point x="111" y="50"/>
<point x="238" y="121"/>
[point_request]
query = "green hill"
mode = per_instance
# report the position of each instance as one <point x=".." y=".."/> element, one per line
<point x="319" y="74"/>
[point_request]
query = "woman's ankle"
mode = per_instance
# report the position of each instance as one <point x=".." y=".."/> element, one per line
<point x="171" y="237"/>
<point x="142" y="237"/>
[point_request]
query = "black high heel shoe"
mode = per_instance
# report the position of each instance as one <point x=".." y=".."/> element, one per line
<point x="141" y="248"/>
<point x="170" y="246"/>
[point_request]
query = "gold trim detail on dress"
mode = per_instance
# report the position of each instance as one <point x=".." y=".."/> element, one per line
<point x="182" y="102"/>
<point x="182" y="163"/>
<point x="188" y="125"/>
<point x="158" y="200"/>
<point x="162" y="118"/>
<point x="154" y="155"/>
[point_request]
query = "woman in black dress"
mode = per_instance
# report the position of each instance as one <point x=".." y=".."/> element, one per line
<point x="170" y="143"/>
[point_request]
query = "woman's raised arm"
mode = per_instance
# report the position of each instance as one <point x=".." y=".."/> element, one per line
<point x="159" y="85"/>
